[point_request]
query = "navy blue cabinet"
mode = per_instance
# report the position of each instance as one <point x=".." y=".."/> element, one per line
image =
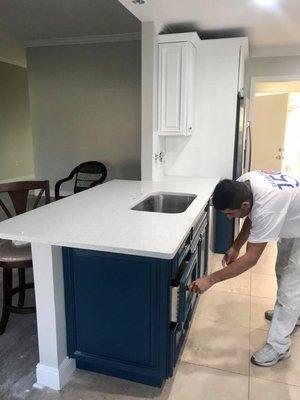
<point x="118" y="310"/>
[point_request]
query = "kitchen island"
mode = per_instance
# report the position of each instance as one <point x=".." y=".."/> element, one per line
<point x="110" y="282"/>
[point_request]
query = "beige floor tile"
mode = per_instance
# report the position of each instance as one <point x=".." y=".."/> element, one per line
<point x="214" y="262"/>
<point x="271" y="250"/>
<point x="218" y="307"/>
<point x="219" y="346"/>
<point x="286" y="371"/>
<point x="258" y="307"/>
<point x="240" y="284"/>
<point x="193" y="382"/>
<point x="265" y="265"/>
<point x="261" y="389"/>
<point x="263" y="285"/>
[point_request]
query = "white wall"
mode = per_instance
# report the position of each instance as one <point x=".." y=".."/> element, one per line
<point x="16" y="150"/>
<point x="151" y="143"/>
<point x="12" y="51"/>
<point x="85" y="103"/>
<point x="209" y="151"/>
<point x="149" y="51"/>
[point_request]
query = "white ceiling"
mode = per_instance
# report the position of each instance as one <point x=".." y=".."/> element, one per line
<point x="276" y="25"/>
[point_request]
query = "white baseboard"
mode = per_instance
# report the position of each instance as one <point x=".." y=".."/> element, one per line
<point x="19" y="178"/>
<point x="54" y="378"/>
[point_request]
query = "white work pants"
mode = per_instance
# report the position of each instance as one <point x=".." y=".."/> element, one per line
<point x="287" y="306"/>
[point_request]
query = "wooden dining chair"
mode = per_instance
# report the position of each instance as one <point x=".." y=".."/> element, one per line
<point x="14" y="256"/>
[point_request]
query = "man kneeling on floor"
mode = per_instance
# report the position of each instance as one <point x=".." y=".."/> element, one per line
<point x="271" y="204"/>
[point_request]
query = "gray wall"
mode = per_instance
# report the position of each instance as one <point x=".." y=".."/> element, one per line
<point x="271" y="66"/>
<point x="15" y="130"/>
<point x="85" y="105"/>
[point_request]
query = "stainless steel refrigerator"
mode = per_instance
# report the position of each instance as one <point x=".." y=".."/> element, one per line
<point x="243" y="143"/>
<point x="226" y="230"/>
<point x="242" y="146"/>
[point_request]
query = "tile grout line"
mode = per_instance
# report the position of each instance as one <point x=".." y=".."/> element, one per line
<point x="214" y="368"/>
<point x="279" y="382"/>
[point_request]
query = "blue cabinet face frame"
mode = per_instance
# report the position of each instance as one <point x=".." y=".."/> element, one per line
<point x="118" y="310"/>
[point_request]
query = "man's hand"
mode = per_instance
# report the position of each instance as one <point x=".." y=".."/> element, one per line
<point x="200" y="285"/>
<point x="230" y="256"/>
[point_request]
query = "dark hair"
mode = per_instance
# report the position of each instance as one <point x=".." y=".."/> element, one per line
<point x="230" y="194"/>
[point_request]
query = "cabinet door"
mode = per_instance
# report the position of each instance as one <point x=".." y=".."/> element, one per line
<point x="117" y="313"/>
<point x="176" y="88"/>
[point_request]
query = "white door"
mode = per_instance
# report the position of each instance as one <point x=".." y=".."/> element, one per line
<point x="268" y="131"/>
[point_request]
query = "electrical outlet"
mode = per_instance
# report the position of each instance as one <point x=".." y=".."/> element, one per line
<point x="17" y="163"/>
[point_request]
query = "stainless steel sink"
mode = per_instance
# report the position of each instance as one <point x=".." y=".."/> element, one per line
<point x="165" y="203"/>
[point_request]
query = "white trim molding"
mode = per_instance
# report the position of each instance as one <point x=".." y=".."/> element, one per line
<point x="54" y="378"/>
<point x="280" y="51"/>
<point x="90" y="39"/>
<point x="55" y="367"/>
<point x="267" y="78"/>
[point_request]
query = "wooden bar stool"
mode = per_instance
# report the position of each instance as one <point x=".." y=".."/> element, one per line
<point x="17" y="256"/>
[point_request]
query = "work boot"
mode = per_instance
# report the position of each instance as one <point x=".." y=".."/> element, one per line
<point x="269" y="316"/>
<point x="267" y="356"/>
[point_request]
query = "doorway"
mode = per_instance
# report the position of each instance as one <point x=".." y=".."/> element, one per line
<point x="275" y="126"/>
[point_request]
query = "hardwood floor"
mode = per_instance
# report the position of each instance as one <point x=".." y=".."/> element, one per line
<point x="18" y="346"/>
<point x="18" y="352"/>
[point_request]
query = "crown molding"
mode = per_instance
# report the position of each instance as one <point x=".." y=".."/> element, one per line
<point x="179" y="37"/>
<point x="280" y="51"/>
<point x="90" y="39"/>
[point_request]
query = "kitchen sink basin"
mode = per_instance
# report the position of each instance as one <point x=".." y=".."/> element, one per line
<point x="165" y="202"/>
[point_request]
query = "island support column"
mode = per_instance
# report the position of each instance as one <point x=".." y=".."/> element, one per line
<point x="54" y="368"/>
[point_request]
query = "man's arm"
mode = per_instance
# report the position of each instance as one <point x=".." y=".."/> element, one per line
<point x="233" y="253"/>
<point x="237" y="267"/>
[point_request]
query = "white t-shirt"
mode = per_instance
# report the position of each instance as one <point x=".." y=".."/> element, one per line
<point x="276" y="206"/>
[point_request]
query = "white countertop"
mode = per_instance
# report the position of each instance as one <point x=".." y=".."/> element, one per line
<point x="101" y="219"/>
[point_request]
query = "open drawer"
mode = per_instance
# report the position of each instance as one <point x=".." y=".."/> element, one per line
<point x="182" y="299"/>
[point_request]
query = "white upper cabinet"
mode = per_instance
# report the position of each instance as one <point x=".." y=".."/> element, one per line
<point x="176" y="84"/>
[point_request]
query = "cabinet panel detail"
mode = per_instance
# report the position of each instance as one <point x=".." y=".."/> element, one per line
<point x="176" y="88"/>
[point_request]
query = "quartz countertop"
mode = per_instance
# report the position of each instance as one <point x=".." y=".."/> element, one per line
<point x="101" y="218"/>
